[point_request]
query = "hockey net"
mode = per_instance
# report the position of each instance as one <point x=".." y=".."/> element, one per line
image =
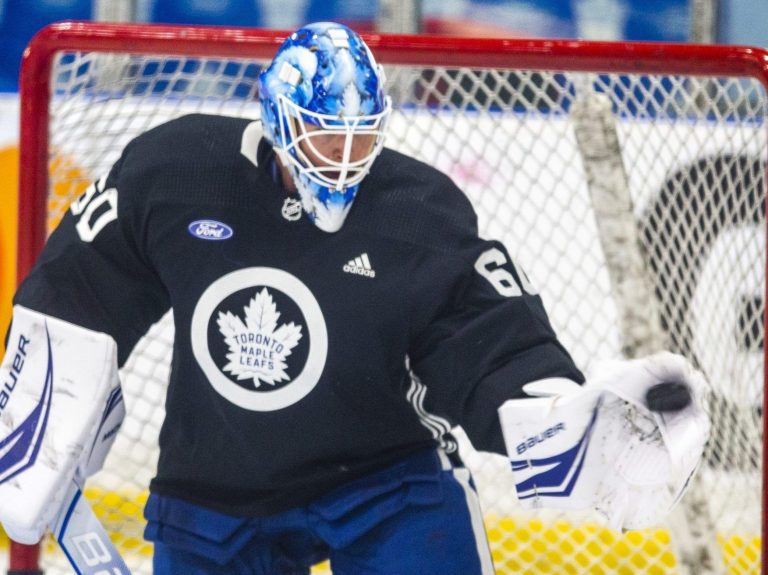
<point x="628" y="180"/>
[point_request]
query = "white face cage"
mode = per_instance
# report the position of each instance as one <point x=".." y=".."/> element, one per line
<point x="356" y="143"/>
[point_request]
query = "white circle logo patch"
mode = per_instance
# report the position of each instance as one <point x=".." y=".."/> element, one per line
<point x="260" y="337"/>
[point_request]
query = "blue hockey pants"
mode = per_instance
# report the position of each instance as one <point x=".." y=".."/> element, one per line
<point x="418" y="517"/>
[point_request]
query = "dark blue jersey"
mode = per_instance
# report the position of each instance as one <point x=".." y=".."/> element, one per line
<point x="302" y="359"/>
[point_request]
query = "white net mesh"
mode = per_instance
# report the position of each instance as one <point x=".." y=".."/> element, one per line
<point x="693" y="161"/>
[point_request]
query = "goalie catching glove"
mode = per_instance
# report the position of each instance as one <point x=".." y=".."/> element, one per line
<point x="60" y="409"/>
<point x="625" y="444"/>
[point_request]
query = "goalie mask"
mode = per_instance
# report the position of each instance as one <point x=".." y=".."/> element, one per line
<point x="324" y="111"/>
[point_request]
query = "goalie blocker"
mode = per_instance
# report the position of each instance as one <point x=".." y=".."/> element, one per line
<point x="60" y="409"/>
<point x="624" y="445"/>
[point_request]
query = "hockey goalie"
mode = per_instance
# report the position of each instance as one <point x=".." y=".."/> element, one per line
<point x="336" y="315"/>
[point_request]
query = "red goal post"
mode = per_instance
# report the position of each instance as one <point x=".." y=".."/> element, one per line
<point x="462" y="64"/>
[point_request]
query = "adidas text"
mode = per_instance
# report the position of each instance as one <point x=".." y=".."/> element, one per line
<point x="361" y="265"/>
<point x="360" y="271"/>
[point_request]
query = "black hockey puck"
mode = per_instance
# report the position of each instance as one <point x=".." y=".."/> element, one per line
<point x="668" y="396"/>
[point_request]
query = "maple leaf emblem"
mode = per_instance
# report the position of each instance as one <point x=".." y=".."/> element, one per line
<point x="258" y="348"/>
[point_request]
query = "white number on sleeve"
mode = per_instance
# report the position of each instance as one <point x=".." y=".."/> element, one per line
<point x="87" y="204"/>
<point x="489" y="265"/>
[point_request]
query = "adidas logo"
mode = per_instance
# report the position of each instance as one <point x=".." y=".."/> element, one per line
<point x="361" y="265"/>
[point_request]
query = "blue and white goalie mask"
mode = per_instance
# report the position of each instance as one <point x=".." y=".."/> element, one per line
<point x="324" y="110"/>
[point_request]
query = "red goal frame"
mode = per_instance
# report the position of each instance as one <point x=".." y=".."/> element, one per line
<point x="531" y="54"/>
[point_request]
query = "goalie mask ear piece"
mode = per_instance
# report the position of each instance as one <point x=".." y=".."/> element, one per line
<point x="668" y="396"/>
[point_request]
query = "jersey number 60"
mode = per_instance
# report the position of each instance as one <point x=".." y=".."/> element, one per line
<point x="86" y="207"/>
<point x="489" y="265"/>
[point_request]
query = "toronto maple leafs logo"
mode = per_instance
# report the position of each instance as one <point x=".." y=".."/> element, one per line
<point x="260" y="338"/>
<point x="258" y="348"/>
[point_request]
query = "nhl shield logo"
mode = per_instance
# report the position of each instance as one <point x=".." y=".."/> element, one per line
<point x="291" y="209"/>
<point x="260" y="337"/>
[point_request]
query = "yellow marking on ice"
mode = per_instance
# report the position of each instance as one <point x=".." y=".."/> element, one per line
<point x="519" y="545"/>
<point x="537" y="548"/>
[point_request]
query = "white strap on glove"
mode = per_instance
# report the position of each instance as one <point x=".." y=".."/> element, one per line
<point x="600" y="446"/>
<point x="60" y="408"/>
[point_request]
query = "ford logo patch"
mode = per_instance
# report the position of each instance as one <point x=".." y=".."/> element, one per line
<point x="210" y="230"/>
